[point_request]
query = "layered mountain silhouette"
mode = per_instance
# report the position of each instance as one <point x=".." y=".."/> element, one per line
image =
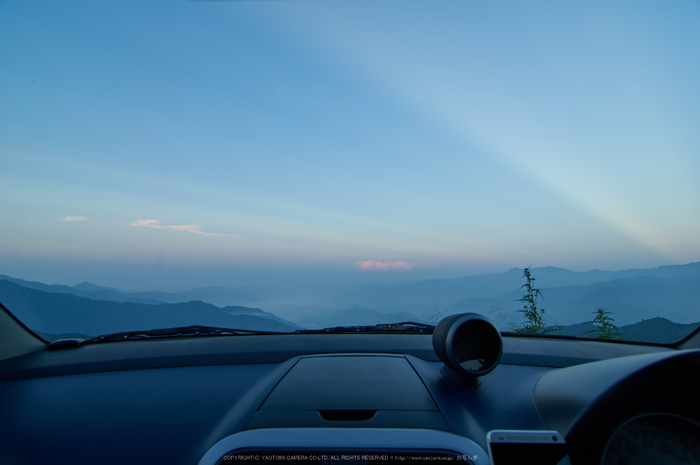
<point x="569" y="297"/>
<point x="55" y="313"/>
<point x="657" y="330"/>
<point x="631" y="300"/>
<point x="651" y="305"/>
<point x="219" y="296"/>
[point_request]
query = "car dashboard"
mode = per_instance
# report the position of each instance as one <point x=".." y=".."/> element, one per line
<point x="305" y="397"/>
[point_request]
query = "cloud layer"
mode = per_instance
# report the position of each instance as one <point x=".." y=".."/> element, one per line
<point x="193" y="228"/>
<point x="74" y="218"/>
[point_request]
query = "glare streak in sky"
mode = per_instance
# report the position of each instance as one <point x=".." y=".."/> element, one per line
<point x="548" y="145"/>
<point x="377" y="136"/>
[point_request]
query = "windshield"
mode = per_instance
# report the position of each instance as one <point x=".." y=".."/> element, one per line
<point x="286" y="165"/>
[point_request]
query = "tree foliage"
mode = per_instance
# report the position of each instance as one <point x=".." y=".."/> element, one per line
<point x="534" y="315"/>
<point x="605" y="326"/>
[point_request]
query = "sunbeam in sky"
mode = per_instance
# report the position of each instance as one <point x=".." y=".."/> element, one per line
<point x="357" y="136"/>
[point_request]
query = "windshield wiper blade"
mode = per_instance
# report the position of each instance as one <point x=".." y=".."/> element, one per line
<point x="403" y="327"/>
<point x="183" y="331"/>
<point x="198" y="331"/>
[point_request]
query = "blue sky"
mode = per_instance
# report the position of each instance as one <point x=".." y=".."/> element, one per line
<point x="180" y="142"/>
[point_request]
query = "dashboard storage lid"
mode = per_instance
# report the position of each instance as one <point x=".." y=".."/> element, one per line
<point x="352" y="390"/>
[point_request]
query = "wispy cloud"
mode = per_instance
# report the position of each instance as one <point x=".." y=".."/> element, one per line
<point x="386" y="266"/>
<point x="193" y="228"/>
<point x="74" y="218"/>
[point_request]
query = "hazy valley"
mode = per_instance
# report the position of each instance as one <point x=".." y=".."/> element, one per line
<point x="638" y="300"/>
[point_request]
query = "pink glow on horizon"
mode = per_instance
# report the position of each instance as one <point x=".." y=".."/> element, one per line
<point x="385" y="266"/>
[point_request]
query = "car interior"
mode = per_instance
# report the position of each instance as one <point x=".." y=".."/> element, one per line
<point x="322" y="398"/>
<point x="327" y="231"/>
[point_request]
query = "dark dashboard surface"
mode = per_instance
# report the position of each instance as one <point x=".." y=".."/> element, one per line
<point x="170" y="401"/>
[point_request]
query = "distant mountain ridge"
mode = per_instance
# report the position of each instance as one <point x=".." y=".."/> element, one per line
<point x="630" y="300"/>
<point x="61" y="312"/>
<point x="214" y="295"/>
<point x="496" y="284"/>
<point x="657" y="330"/>
<point x="84" y="290"/>
<point x="671" y="291"/>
